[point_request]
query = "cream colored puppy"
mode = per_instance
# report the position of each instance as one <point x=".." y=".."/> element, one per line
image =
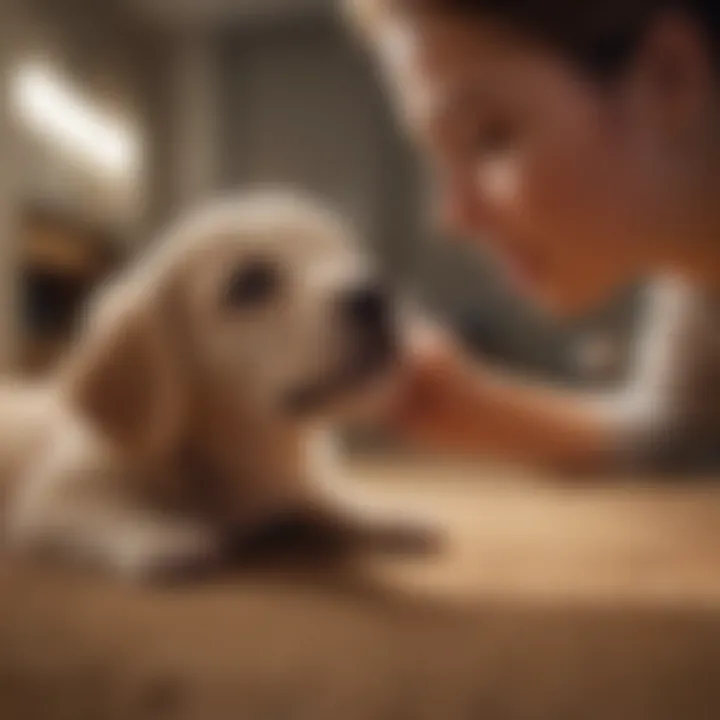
<point x="196" y="404"/>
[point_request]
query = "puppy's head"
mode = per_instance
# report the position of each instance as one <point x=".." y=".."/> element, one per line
<point x="263" y="297"/>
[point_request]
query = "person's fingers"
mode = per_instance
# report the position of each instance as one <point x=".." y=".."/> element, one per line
<point x="418" y="400"/>
<point x="426" y="339"/>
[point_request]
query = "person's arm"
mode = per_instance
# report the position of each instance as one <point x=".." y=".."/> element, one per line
<point x="455" y="405"/>
<point x="507" y="417"/>
<point x="452" y="404"/>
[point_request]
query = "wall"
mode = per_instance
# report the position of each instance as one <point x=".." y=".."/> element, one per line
<point x="120" y="65"/>
<point x="193" y="133"/>
<point x="291" y="113"/>
<point x="195" y="13"/>
<point x="8" y="206"/>
<point x="117" y="64"/>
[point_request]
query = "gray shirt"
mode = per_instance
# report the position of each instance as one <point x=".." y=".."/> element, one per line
<point x="668" y="414"/>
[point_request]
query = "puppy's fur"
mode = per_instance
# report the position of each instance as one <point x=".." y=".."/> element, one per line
<point x="196" y="401"/>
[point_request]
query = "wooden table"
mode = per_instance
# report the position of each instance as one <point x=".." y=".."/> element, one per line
<point x="550" y="602"/>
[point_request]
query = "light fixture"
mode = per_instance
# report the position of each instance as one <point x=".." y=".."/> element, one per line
<point x="51" y="107"/>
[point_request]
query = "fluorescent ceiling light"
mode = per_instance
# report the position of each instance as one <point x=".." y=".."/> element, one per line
<point x="51" y="107"/>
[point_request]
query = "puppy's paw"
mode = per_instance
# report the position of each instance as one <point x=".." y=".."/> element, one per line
<point x="400" y="534"/>
<point x="388" y="530"/>
<point x="165" y="553"/>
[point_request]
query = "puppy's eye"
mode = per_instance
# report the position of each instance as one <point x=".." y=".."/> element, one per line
<point x="252" y="284"/>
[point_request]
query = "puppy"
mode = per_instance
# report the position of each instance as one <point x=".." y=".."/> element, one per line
<point x="197" y="403"/>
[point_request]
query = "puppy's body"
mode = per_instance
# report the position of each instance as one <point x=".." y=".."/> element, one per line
<point x="28" y="415"/>
<point x="195" y="404"/>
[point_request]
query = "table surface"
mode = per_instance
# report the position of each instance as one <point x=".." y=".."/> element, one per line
<point x="515" y="533"/>
<point x="549" y="602"/>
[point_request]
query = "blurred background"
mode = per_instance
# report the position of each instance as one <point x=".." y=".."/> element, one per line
<point x="116" y="115"/>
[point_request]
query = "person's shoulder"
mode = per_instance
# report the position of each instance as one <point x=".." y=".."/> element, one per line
<point x="673" y="294"/>
<point x="671" y="286"/>
<point x="680" y="315"/>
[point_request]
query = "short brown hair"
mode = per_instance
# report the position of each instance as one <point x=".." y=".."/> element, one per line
<point x="598" y="35"/>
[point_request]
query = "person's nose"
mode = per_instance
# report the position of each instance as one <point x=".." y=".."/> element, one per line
<point x="463" y="213"/>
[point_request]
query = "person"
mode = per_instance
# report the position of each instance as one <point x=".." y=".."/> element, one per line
<point x="579" y="144"/>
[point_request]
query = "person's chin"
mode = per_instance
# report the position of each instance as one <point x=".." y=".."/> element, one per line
<point x="555" y="293"/>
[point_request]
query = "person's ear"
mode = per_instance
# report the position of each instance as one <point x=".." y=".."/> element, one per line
<point x="674" y="76"/>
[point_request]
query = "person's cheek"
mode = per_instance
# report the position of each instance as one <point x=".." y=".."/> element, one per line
<point x="572" y="211"/>
<point x="498" y="180"/>
<point x="547" y="226"/>
<point x="563" y="202"/>
<point x="527" y="207"/>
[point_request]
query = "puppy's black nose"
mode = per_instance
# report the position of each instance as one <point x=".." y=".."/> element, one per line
<point x="367" y="307"/>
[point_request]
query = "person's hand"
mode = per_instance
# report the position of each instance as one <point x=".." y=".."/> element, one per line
<point x="446" y="401"/>
<point x="433" y="405"/>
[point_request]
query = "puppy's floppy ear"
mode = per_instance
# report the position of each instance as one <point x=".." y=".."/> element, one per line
<point x="124" y="376"/>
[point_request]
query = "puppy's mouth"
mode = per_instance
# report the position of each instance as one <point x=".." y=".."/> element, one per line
<point x="349" y="380"/>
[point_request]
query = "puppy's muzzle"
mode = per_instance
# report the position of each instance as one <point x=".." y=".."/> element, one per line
<point x="367" y="319"/>
<point x="367" y="313"/>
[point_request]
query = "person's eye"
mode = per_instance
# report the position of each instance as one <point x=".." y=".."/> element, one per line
<point x="495" y="137"/>
<point x="252" y="284"/>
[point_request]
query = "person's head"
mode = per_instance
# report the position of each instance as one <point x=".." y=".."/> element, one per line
<point x="580" y="139"/>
